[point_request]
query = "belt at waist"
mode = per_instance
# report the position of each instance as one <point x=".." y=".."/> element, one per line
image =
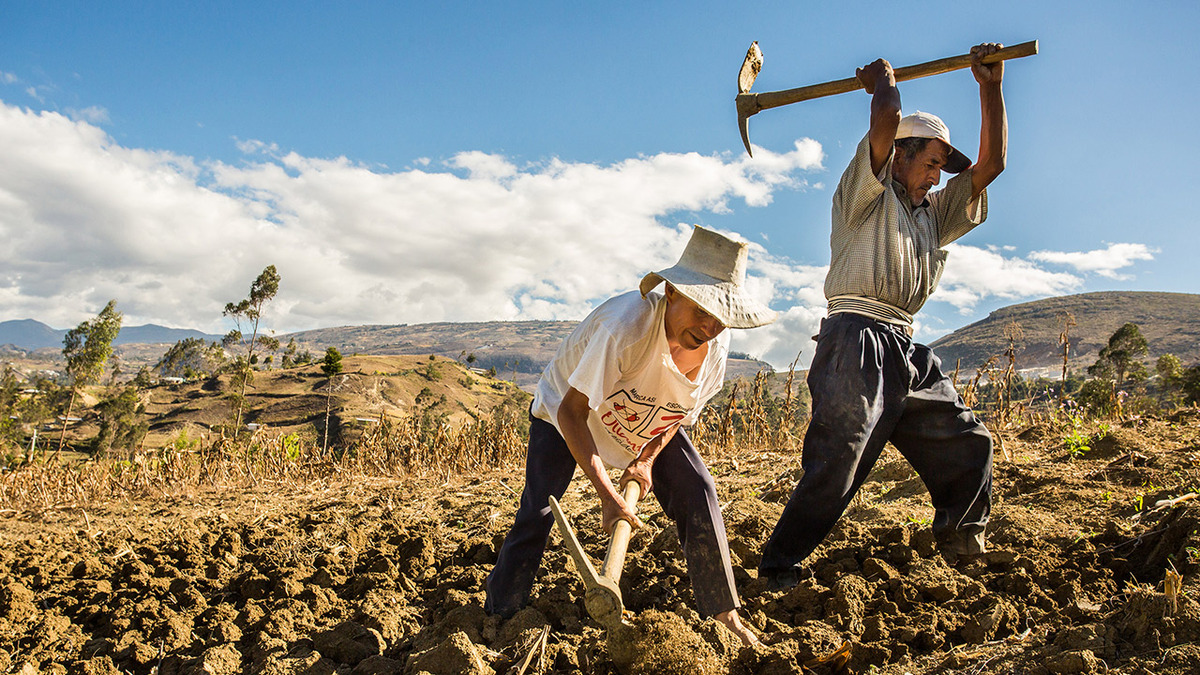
<point x="872" y="308"/>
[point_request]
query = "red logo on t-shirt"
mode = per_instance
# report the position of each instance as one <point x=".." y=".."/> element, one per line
<point x="630" y="413"/>
<point x="664" y="419"/>
<point x="642" y="419"/>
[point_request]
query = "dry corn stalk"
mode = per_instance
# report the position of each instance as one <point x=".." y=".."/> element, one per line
<point x="1172" y="585"/>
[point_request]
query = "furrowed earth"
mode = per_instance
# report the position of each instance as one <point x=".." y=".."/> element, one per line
<point x="386" y="576"/>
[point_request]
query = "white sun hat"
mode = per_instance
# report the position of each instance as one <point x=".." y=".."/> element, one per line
<point x="927" y="125"/>
<point x="712" y="273"/>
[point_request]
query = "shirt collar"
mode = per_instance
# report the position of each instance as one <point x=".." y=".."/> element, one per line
<point x="902" y="193"/>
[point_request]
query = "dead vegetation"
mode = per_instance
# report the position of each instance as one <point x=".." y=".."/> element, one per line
<point x="308" y="568"/>
<point x="272" y="554"/>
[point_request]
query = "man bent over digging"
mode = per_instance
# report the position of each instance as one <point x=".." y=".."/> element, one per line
<point x="617" y="394"/>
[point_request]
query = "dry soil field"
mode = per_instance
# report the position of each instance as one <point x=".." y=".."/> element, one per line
<point x="385" y="576"/>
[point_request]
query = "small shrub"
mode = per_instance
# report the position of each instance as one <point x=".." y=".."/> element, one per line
<point x="431" y="372"/>
<point x="1098" y="397"/>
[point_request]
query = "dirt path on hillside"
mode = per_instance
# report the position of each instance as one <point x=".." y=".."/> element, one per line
<point x="386" y="577"/>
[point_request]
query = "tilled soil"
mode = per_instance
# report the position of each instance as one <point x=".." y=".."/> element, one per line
<point x="386" y="577"/>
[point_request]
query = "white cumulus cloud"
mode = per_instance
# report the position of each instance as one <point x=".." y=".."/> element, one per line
<point x="92" y="114"/>
<point x="473" y="237"/>
<point x="973" y="274"/>
<point x="1104" y="262"/>
<point x="476" y="237"/>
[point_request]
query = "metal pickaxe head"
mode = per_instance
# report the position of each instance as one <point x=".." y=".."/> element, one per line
<point x="747" y="105"/>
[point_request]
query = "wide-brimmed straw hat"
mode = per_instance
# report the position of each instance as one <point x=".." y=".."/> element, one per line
<point x="928" y="125"/>
<point x="712" y="273"/>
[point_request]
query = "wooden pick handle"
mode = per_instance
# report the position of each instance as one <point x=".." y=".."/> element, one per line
<point x="774" y="99"/>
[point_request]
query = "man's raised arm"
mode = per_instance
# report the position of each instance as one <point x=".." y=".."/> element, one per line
<point x="993" y="133"/>
<point x="880" y="82"/>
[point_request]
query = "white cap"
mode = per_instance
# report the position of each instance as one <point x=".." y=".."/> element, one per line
<point x="928" y="125"/>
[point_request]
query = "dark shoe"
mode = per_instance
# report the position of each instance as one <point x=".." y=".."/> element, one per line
<point x="784" y="579"/>
<point x="962" y="544"/>
<point x="501" y="612"/>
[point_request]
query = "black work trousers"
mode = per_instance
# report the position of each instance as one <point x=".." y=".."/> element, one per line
<point x="682" y="486"/>
<point x="870" y="383"/>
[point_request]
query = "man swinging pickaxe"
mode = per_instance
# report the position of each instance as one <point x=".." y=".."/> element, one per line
<point x="749" y="103"/>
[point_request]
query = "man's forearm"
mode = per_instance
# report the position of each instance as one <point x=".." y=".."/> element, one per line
<point x="993" y="136"/>
<point x="885" y="119"/>
<point x="572" y="416"/>
<point x="583" y="448"/>
<point x="654" y="446"/>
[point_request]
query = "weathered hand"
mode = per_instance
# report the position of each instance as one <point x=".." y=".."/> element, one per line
<point x="639" y="471"/>
<point x="877" y="71"/>
<point x="986" y="73"/>
<point x="615" y="509"/>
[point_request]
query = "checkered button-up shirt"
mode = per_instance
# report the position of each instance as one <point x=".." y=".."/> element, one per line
<point x="887" y="255"/>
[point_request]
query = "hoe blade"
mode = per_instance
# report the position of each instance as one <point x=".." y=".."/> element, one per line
<point x="582" y="563"/>
<point x="602" y="596"/>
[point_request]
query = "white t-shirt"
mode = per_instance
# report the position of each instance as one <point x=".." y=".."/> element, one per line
<point x="619" y="358"/>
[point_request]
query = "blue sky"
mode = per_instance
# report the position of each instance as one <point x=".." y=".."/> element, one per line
<point x="411" y="162"/>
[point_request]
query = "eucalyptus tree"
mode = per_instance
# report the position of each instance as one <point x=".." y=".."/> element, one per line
<point x="1122" y="355"/>
<point x="249" y="310"/>
<point x="332" y="365"/>
<point x="86" y="349"/>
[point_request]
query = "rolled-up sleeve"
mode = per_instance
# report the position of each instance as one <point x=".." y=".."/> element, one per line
<point x="598" y="368"/>
<point x="859" y="189"/>
<point x="954" y="211"/>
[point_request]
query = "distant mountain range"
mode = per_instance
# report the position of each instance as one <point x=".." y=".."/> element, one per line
<point x="524" y="346"/>
<point x="520" y="349"/>
<point x="29" y="334"/>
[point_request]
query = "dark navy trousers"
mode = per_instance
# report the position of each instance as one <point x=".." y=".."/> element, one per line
<point x="870" y="383"/>
<point x="682" y="486"/>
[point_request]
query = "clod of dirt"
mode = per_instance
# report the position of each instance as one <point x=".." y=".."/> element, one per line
<point x="938" y="582"/>
<point x="875" y="569"/>
<point x="101" y="665"/>
<point x="387" y="613"/>
<point x="725" y="644"/>
<point x="786" y="653"/>
<point x="1149" y="621"/>
<point x="378" y="665"/>
<point x="220" y="660"/>
<point x="350" y="642"/>
<point x="468" y="619"/>
<point x="850" y="595"/>
<point x="517" y="629"/>
<point x="16" y="603"/>
<point x="1067" y="663"/>
<point x="661" y="643"/>
<point x="299" y="661"/>
<point x="1118" y="443"/>
<point x="992" y="615"/>
<point x="457" y="655"/>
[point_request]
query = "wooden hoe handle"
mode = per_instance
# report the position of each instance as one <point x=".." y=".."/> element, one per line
<point x="603" y="595"/>
<point x="614" y="559"/>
